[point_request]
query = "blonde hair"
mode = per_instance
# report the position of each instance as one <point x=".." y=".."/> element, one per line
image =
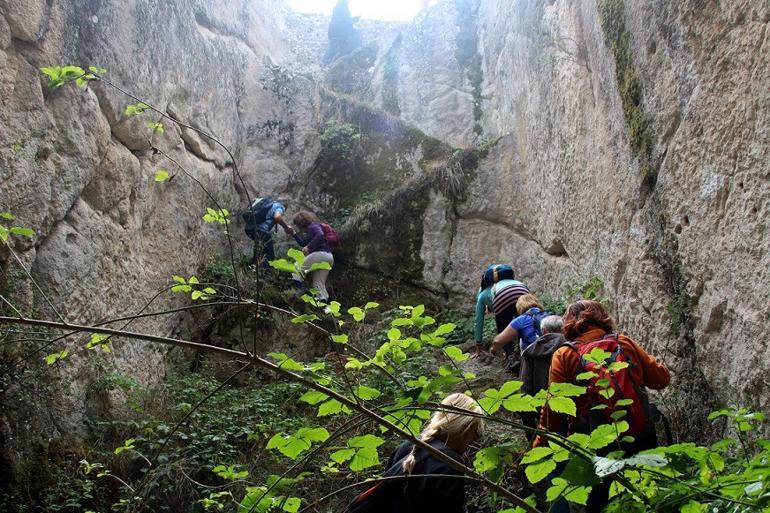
<point x="445" y="425"/>
<point x="526" y="302"/>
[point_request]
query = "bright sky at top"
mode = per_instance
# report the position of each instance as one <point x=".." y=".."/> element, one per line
<point x="391" y="10"/>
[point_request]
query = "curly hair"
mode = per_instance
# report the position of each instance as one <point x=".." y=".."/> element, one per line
<point x="585" y="315"/>
<point x="303" y="219"/>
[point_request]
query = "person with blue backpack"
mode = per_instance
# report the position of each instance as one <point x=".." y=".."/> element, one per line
<point x="525" y="327"/>
<point x="264" y="216"/>
<point x="497" y="294"/>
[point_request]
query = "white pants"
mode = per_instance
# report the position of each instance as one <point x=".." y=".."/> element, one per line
<point x="318" y="277"/>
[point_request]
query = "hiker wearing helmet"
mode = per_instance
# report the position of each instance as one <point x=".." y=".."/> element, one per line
<point x="498" y="294"/>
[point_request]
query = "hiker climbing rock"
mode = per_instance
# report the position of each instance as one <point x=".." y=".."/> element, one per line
<point x="588" y="327"/>
<point x="525" y="327"/>
<point x="498" y="294"/>
<point x="536" y="362"/>
<point x="319" y="238"/>
<point x="264" y="216"/>
<point x="343" y="36"/>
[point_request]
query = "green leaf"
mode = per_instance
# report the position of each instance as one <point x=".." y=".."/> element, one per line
<point x="135" y="109"/>
<point x="178" y="279"/>
<point x="332" y="407"/>
<point x="296" y="255"/>
<point x="624" y="402"/>
<point x="617" y="366"/>
<point x="370" y="441"/>
<point x="562" y="405"/>
<point x="370" y="305"/>
<point x="157" y="127"/>
<point x="691" y="507"/>
<point x="161" y="175"/>
<point x="7" y="216"/>
<point x="283" y="265"/>
<point x="292" y="504"/>
<point x="586" y="375"/>
<point x="456" y="354"/>
<point x="320" y="266"/>
<point x="364" y="458"/>
<point x="566" y="390"/>
<point x="96" y="339"/>
<point x="536" y="472"/>
<point x="536" y="453"/>
<point x="55" y="357"/>
<point x="366" y="393"/>
<point x="3" y="233"/>
<point x="340" y="339"/>
<point x="619" y="414"/>
<point x="394" y="334"/>
<point x="193" y="280"/>
<point x="304" y="318"/>
<point x="444" y="329"/>
<point x="561" y="488"/>
<point x="26" y="232"/>
<point x="342" y="455"/>
<point x="357" y="313"/>
<point x="97" y="70"/>
<point x="509" y="387"/>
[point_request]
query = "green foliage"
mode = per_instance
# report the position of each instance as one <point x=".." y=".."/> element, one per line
<point x="640" y="135"/>
<point x="161" y="175"/>
<point x="61" y="75"/>
<point x="156" y="127"/>
<point x="193" y="286"/>
<point x="221" y="216"/>
<point x="135" y="109"/>
<point x="339" y="143"/>
<point x="6" y="231"/>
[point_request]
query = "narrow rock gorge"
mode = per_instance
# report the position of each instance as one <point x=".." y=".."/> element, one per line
<point x="624" y="140"/>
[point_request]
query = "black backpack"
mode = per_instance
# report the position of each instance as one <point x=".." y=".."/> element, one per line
<point x="256" y="215"/>
<point x="379" y="497"/>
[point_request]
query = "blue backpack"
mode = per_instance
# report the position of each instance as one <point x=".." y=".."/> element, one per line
<point x="536" y="317"/>
<point x="256" y="215"/>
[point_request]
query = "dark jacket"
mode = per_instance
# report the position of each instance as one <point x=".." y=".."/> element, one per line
<point x="536" y="362"/>
<point x="315" y="239"/>
<point x="429" y="494"/>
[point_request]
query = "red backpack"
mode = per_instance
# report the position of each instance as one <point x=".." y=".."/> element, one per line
<point x="621" y="381"/>
<point x="332" y="239"/>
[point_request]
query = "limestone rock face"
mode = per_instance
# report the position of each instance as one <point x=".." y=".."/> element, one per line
<point x="618" y="139"/>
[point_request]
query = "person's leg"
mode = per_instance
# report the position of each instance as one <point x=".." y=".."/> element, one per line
<point x="267" y="249"/>
<point x="318" y="277"/>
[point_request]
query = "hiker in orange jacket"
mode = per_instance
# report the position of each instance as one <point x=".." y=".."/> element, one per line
<point x="585" y="322"/>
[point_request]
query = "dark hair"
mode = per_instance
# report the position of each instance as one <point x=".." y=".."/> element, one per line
<point x="304" y="218"/>
<point x="488" y="276"/>
<point x="585" y="315"/>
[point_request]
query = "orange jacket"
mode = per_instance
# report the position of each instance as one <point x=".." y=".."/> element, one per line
<point x="565" y="366"/>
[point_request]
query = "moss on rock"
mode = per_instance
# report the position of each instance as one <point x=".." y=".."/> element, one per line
<point x="640" y="136"/>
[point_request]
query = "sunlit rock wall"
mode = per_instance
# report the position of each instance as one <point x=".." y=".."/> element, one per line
<point x="633" y="146"/>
